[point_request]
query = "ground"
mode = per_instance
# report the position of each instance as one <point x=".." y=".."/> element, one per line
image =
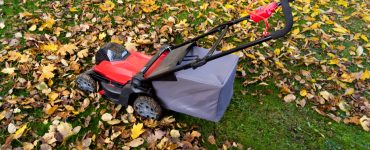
<point x="308" y="90"/>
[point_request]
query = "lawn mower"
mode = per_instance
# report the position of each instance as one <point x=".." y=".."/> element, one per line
<point x="184" y="78"/>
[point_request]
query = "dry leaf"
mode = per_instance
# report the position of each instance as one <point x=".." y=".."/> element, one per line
<point x="175" y="133"/>
<point x="107" y="117"/>
<point x="289" y="98"/>
<point x="211" y="140"/>
<point x="136" y="142"/>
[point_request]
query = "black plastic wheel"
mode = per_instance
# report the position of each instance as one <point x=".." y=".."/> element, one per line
<point x="147" y="107"/>
<point x="86" y="83"/>
<point x="116" y="48"/>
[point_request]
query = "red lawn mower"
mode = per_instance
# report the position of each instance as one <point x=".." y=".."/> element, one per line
<point x="183" y="78"/>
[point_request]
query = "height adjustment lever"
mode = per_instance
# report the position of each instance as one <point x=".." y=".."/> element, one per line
<point x="263" y="13"/>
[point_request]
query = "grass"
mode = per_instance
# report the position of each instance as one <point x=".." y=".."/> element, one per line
<point x="268" y="123"/>
<point x="256" y="117"/>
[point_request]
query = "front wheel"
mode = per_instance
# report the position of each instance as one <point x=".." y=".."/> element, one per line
<point x="147" y="107"/>
<point x="86" y="83"/>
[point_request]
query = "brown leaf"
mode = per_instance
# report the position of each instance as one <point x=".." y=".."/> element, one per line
<point x="289" y="98"/>
<point x="136" y="142"/>
<point x="211" y="140"/>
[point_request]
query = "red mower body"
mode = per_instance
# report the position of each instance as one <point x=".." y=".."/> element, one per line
<point x="122" y="71"/>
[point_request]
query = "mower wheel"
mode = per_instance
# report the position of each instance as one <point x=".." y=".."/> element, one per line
<point x="147" y="107"/>
<point x="86" y="83"/>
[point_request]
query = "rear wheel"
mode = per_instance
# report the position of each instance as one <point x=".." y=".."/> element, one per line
<point x="147" y="107"/>
<point x="86" y="83"/>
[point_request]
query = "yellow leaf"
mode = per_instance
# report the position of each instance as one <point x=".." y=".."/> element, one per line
<point x="137" y="130"/>
<point x="364" y="38"/>
<point x="204" y="6"/>
<point x="33" y="28"/>
<point x="315" y="26"/>
<point x="227" y="46"/>
<point x="49" y="47"/>
<point x="67" y="48"/>
<point x="69" y="107"/>
<point x="365" y="123"/>
<point x="334" y="61"/>
<point x="8" y="70"/>
<point x="102" y="35"/>
<point x="49" y="22"/>
<point x="82" y="53"/>
<point x="2" y="115"/>
<point x="303" y="93"/>
<point x="345" y="77"/>
<point x="228" y="6"/>
<point x="365" y="75"/>
<point x="279" y="64"/>
<point x="52" y="97"/>
<point x="366" y="18"/>
<point x="20" y="131"/>
<point x="277" y="51"/>
<point x="51" y="110"/>
<point x="340" y="29"/>
<point x="349" y="91"/>
<point x="116" y="40"/>
<point x="250" y="56"/>
<point x="47" y="71"/>
<point x="73" y="9"/>
<point x="342" y="3"/>
<point x="296" y="31"/>
<point x="107" y="5"/>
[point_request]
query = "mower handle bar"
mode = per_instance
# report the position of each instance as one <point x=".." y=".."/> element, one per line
<point x="221" y="28"/>
<point x="288" y="20"/>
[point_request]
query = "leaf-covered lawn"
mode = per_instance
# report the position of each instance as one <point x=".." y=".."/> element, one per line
<point x="309" y="90"/>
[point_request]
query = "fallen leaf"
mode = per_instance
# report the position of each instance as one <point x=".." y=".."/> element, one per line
<point x="303" y="93"/>
<point x="326" y="95"/>
<point x="211" y="140"/>
<point x="65" y="129"/>
<point x="175" y="133"/>
<point x="136" y="142"/>
<point x="129" y="109"/>
<point x="343" y="106"/>
<point x="114" y="122"/>
<point x="360" y="51"/>
<point x="52" y="97"/>
<point x="137" y="130"/>
<point x="102" y="35"/>
<point x="106" y="117"/>
<point x="365" y="123"/>
<point x="8" y="70"/>
<point x="365" y="75"/>
<point x="49" y="47"/>
<point x="2" y="25"/>
<point x="289" y="98"/>
<point x="107" y="5"/>
<point x="82" y="53"/>
<point x="20" y="131"/>
<point x="48" y="23"/>
<point x="349" y="91"/>
<point x="32" y="28"/>
<point x="11" y="128"/>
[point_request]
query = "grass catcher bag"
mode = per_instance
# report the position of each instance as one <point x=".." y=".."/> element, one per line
<point x="204" y="92"/>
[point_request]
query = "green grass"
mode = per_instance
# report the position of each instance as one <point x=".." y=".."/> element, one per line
<point x="266" y="122"/>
